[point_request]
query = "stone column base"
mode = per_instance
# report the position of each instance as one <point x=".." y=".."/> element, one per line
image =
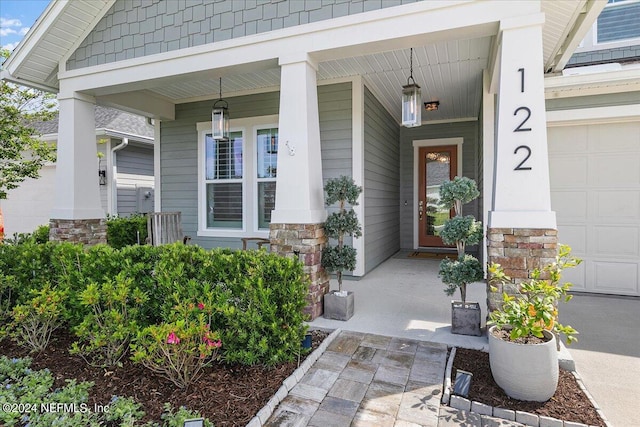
<point x="519" y="251"/>
<point x="86" y="231"/>
<point x="305" y="241"/>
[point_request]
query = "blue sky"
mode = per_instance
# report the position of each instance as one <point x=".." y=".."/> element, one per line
<point x="16" y="17"/>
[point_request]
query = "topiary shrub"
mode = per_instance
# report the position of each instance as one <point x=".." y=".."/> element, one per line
<point x="341" y="224"/>
<point x="460" y="231"/>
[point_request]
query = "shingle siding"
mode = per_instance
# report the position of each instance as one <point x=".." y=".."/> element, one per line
<point x="135" y="28"/>
<point x="621" y="54"/>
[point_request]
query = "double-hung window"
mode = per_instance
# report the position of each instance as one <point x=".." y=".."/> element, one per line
<point x="237" y="178"/>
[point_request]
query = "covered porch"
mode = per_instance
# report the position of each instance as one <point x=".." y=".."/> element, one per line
<point x="330" y="88"/>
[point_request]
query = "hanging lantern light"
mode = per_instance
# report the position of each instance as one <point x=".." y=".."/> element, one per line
<point x="220" y="118"/>
<point x="411" y="100"/>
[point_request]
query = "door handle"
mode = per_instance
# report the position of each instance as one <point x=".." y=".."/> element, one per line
<point x="420" y="209"/>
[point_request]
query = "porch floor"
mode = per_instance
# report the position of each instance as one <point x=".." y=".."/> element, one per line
<point x="404" y="297"/>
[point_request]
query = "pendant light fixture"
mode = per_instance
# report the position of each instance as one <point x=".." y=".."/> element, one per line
<point x="220" y="118"/>
<point x="411" y="100"/>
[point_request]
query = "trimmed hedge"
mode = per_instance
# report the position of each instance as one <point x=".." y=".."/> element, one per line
<point x="258" y="296"/>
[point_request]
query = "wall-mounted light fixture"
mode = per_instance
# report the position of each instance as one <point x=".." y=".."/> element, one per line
<point x="431" y="106"/>
<point x="411" y="100"/>
<point x="102" y="176"/>
<point x="220" y="118"/>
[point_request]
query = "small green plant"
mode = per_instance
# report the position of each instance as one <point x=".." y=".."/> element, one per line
<point x="341" y="224"/>
<point x="178" y="350"/>
<point x="112" y="321"/>
<point x="460" y="231"/>
<point x="34" y="321"/>
<point x="534" y="308"/>
<point x="123" y="412"/>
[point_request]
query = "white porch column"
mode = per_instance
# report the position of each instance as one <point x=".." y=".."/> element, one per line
<point x="77" y="186"/>
<point x="299" y="189"/>
<point x="77" y="214"/>
<point x="521" y="233"/>
<point x="297" y="222"/>
<point x="521" y="194"/>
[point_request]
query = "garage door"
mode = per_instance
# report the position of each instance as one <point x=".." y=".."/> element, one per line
<point x="595" y="191"/>
<point x="29" y="205"/>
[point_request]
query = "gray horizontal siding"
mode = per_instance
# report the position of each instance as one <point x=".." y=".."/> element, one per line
<point x="619" y="22"/>
<point x="381" y="183"/>
<point x="179" y="151"/>
<point x="135" y="160"/>
<point x="469" y="132"/>
<point x="614" y="99"/>
<point x="136" y="28"/>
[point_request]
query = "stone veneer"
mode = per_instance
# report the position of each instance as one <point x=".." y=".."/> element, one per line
<point x="86" y="231"/>
<point x="305" y="241"/>
<point x="519" y="251"/>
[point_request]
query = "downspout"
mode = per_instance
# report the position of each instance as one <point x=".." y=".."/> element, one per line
<point x="114" y="176"/>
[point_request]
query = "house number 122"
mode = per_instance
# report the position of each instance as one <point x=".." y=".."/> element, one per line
<point x="525" y="114"/>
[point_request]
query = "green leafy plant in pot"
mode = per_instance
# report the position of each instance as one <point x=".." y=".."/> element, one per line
<point x="344" y="222"/>
<point x="457" y="273"/>
<point x="524" y="340"/>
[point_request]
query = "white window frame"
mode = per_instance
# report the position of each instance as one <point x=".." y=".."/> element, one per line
<point x="255" y="178"/>
<point x="249" y="127"/>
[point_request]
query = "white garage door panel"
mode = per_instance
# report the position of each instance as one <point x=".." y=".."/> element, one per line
<point x="616" y="277"/>
<point x="578" y="277"/>
<point x="612" y="170"/>
<point x="570" y="205"/>
<point x="576" y="237"/>
<point x="611" y="137"/>
<point x="595" y="191"/>
<point x="615" y="242"/>
<point x="568" y="172"/>
<point x="569" y="139"/>
<point x="620" y="206"/>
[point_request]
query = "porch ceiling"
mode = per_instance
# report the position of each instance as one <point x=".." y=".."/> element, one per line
<point x="449" y="72"/>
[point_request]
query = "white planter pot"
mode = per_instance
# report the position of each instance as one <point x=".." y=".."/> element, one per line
<point x="524" y="371"/>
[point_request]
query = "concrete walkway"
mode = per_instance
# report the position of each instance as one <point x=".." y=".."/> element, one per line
<point x="365" y="380"/>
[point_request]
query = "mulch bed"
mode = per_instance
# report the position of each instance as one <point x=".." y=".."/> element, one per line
<point x="569" y="403"/>
<point x="228" y="395"/>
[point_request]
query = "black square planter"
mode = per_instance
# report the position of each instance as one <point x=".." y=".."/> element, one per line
<point x="465" y="318"/>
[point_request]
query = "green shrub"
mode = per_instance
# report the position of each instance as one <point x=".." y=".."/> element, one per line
<point x="39" y="235"/>
<point x="125" y="231"/>
<point x="113" y="320"/>
<point x="264" y="318"/>
<point x="257" y="297"/>
<point x="179" y="349"/>
<point x="33" y="322"/>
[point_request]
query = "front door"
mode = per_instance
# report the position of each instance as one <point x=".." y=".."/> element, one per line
<point x="436" y="165"/>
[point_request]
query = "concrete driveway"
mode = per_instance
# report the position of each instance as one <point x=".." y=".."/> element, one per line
<point x="404" y="297"/>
